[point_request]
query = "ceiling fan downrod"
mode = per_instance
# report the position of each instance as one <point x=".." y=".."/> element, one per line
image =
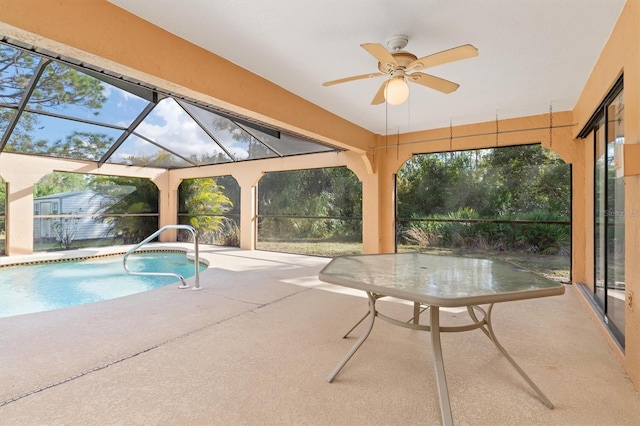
<point x="397" y="42"/>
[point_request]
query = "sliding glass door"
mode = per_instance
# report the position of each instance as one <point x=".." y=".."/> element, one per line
<point x="610" y="215"/>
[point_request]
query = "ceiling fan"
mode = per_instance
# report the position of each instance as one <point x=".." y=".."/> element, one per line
<point x="403" y="66"/>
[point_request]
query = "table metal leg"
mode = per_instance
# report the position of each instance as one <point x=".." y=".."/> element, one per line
<point x="360" y="341"/>
<point x="443" y="392"/>
<point x="494" y="339"/>
<point x="416" y="312"/>
<point x="357" y="324"/>
<point x="418" y="309"/>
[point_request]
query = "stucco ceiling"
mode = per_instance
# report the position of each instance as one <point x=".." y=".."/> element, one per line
<point x="534" y="54"/>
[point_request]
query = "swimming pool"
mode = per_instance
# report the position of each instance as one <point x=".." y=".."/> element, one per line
<point x="48" y="286"/>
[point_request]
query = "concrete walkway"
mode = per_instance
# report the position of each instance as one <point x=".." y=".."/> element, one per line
<point x="255" y="345"/>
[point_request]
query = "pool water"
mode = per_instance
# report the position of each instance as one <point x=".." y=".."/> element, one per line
<point x="43" y="287"/>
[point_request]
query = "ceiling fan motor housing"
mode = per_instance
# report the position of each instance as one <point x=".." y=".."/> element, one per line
<point x="403" y="59"/>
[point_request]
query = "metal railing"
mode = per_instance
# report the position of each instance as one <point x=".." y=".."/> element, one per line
<point x="168" y="274"/>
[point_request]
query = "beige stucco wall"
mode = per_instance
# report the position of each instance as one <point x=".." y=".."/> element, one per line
<point x="620" y="55"/>
<point x="140" y="50"/>
<point x="21" y="172"/>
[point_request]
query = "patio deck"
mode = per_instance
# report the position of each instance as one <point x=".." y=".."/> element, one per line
<point x="255" y="345"/>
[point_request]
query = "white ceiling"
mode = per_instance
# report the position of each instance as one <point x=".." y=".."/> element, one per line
<point x="533" y="54"/>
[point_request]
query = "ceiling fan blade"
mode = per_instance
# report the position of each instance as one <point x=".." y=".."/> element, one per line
<point x="355" y="77"/>
<point x="455" y="54"/>
<point x="381" y="54"/>
<point x="379" y="97"/>
<point x="433" y="82"/>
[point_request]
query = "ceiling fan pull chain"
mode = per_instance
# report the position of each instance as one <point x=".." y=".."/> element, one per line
<point x="408" y="130"/>
<point x="550" y="125"/>
<point x="497" y="130"/>
<point x="450" y="135"/>
<point x="386" y="127"/>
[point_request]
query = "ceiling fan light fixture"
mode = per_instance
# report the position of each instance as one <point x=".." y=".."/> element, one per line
<point x="396" y="91"/>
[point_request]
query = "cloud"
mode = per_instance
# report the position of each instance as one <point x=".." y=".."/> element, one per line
<point x="169" y="126"/>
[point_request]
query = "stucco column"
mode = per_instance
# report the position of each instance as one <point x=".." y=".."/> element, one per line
<point x="378" y="203"/>
<point x="248" y="182"/>
<point x="167" y="205"/>
<point x="19" y="223"/>
<point x="582" y="217"/>
<point x="168" y="213"/>
<point x="370" y="216"/>
<point x="386" y="208"/>
<point x="19" y="218"/>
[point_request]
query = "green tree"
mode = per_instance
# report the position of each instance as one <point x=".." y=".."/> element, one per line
<point x="161" y="158"/>
<point x="439" y="184"/>
<point x="3" y="200"/>
<point x="513" y="174"/>
<point x="134" y="198"/>
<point x="553" y="187"/>
<point x="521" y="182"/>
<point x="82" y="145"/>
<point x="498" y="182"/>
<point x="58" y="182"/>
<point x="317" y="192"/>
<point x="58" y="85"/>
<point x="205" y="203"/>
<point x="231" y="189"/>
<point x="3" y="204"/>
<point x="330" y="192"/>
<point x="3" y="197"/>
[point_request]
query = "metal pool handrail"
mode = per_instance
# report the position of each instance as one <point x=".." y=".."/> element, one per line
<point x="169" y="274"/>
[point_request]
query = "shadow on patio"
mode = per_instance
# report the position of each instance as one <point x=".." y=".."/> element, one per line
<point x="255" y="345"/>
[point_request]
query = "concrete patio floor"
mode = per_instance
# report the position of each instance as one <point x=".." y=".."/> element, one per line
<point x="255" y="345"/>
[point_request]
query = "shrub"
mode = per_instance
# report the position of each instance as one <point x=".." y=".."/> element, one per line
<point x="534" y="238"/>
<point x="228" y="234"/>
<point x="543" y="238"/>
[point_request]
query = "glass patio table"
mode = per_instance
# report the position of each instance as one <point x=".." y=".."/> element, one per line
<point x="436" y="282"/>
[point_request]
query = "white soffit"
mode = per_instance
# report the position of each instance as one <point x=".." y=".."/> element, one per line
<point x="534" y="54"/>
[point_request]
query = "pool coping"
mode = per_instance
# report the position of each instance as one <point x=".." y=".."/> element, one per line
<point x="96" y="253"/>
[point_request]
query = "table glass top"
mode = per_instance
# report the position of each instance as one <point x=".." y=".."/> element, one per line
<point x="446" y="280"/>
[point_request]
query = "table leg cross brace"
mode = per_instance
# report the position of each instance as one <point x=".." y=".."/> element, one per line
<point x="434" y="327"/>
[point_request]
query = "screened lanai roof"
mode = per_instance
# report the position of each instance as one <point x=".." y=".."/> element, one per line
<point x="55" y="106"/>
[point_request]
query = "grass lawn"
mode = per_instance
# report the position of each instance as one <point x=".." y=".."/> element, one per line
<point x="555" y="267"/>
<point x="312" y="248"/>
